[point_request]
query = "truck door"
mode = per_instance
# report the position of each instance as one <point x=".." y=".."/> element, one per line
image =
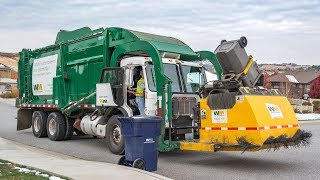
<point x="110" y="88"/>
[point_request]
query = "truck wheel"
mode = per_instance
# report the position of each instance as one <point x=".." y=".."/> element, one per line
<point x="69" y="128"/>
<point x="114" y="139"/>
<point x="39" y="124"/>
<point x="56" y="126"/>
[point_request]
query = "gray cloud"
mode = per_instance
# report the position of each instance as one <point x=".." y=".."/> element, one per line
<point x="278" y="31"/>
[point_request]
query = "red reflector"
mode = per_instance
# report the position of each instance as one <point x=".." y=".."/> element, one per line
<point x="160" y="112"/>
<point x="19" y="95"/>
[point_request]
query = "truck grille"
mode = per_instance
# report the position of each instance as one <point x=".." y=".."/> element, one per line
<point x="183" y="105"/>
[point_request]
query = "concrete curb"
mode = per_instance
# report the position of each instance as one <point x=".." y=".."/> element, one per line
<point x="68" y="166"/>
<point x="9" y="101"/>
<point x="309" y="121"/>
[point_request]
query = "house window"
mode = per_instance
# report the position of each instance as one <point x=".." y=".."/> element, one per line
<point x="276" y="85"/>
<point x="307" y="88"/>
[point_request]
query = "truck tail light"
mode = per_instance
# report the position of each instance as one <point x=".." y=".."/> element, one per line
<point x="19" y="95"/>
<point x="160" y="112"/>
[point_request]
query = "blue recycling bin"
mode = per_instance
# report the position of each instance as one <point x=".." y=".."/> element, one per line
<point x="141" y="135"/>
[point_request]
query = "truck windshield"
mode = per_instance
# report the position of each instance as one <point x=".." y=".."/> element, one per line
<point x="193" y="78"/>
<point x="170" y="70"/>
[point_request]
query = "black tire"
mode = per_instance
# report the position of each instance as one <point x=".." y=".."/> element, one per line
<point x="56" y="126"/>
<point x="115" y="141"/>
<point x="39" y="124"/>
<point x="139" y="164"/>
<point x="243" y="42"/>
<point x="122" y="160"/>
<point x="69" y="128"/>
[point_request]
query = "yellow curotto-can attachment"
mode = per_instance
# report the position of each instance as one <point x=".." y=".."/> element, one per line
<point x="249" y="122"/>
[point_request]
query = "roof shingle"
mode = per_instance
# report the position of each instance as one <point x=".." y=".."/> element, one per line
<point x="303" y="77"/>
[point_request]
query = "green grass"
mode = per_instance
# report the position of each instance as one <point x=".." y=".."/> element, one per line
<point x="11" y="171"/>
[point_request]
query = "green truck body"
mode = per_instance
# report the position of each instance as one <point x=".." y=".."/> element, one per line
<point x="60" y="76"/>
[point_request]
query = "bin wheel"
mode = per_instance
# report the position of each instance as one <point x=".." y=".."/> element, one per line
<point x="243" y="42"/>
<point x="122" y="160"/>
<point x="139" y="164"/>
<point x="39" y="124"/>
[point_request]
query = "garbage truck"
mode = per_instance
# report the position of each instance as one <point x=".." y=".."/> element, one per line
<point x="83" y="82"/>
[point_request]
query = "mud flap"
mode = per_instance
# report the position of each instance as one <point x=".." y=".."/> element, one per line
<point x="24" y="119"/>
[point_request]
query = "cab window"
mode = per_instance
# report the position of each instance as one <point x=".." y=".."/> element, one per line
<point x="193" y="78"/>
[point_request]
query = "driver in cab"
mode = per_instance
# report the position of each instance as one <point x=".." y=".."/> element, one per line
<point x="139" y="93"/>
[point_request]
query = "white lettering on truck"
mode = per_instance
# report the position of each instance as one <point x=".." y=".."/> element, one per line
<point x="43" y="72"/>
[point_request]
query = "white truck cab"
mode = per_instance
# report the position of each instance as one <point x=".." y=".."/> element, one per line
<point x="186" y="77"/>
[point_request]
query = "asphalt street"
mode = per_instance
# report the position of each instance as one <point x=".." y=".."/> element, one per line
<point x="300" y="163"/>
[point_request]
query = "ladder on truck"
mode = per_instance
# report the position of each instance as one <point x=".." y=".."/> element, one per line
<point x="27" y="76"/>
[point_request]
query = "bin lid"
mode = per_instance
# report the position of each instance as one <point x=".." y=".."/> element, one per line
<point x="142" y="119"/>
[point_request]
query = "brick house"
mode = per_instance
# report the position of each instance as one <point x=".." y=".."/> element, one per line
<point x="293" y="84"/>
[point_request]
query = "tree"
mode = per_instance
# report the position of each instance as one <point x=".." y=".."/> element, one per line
<point x="315" y="88"/>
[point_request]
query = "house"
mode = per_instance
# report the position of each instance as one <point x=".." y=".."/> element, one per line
<point x="293" y="84"/>
<point x="6" y="84"/>
<point x="7" y="72"/>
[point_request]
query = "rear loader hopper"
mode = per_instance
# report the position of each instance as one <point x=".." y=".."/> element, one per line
<point x="238" y="115"/>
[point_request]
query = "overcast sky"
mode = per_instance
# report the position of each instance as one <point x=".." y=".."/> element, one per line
<point x="277" y="31"/>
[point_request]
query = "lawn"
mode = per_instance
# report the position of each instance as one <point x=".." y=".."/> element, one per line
<point x="12" y="171"/>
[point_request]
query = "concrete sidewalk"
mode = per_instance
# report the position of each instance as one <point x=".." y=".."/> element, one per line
<point x="68" y="166"/>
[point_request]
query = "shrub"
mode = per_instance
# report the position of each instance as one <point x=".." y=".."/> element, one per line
<point x="315" y="88"/>
<point x="305" y="111"/>
<point x="306" y="104"/>
<point x="316" y="105"/>
<point x="9" y="95"/>
<point x="14" y="92"/>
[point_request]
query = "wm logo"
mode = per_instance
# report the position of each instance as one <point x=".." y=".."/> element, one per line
<point x="273" y="108"/>
<point x="218" y="113"/>
<point x="38" y="87"/>
<point x="102" y="101"/>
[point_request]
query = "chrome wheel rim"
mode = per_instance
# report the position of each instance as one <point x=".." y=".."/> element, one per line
<point x="52" y="126"/>
<point x="116" y="134"/>
<point x="36" y="124"/>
